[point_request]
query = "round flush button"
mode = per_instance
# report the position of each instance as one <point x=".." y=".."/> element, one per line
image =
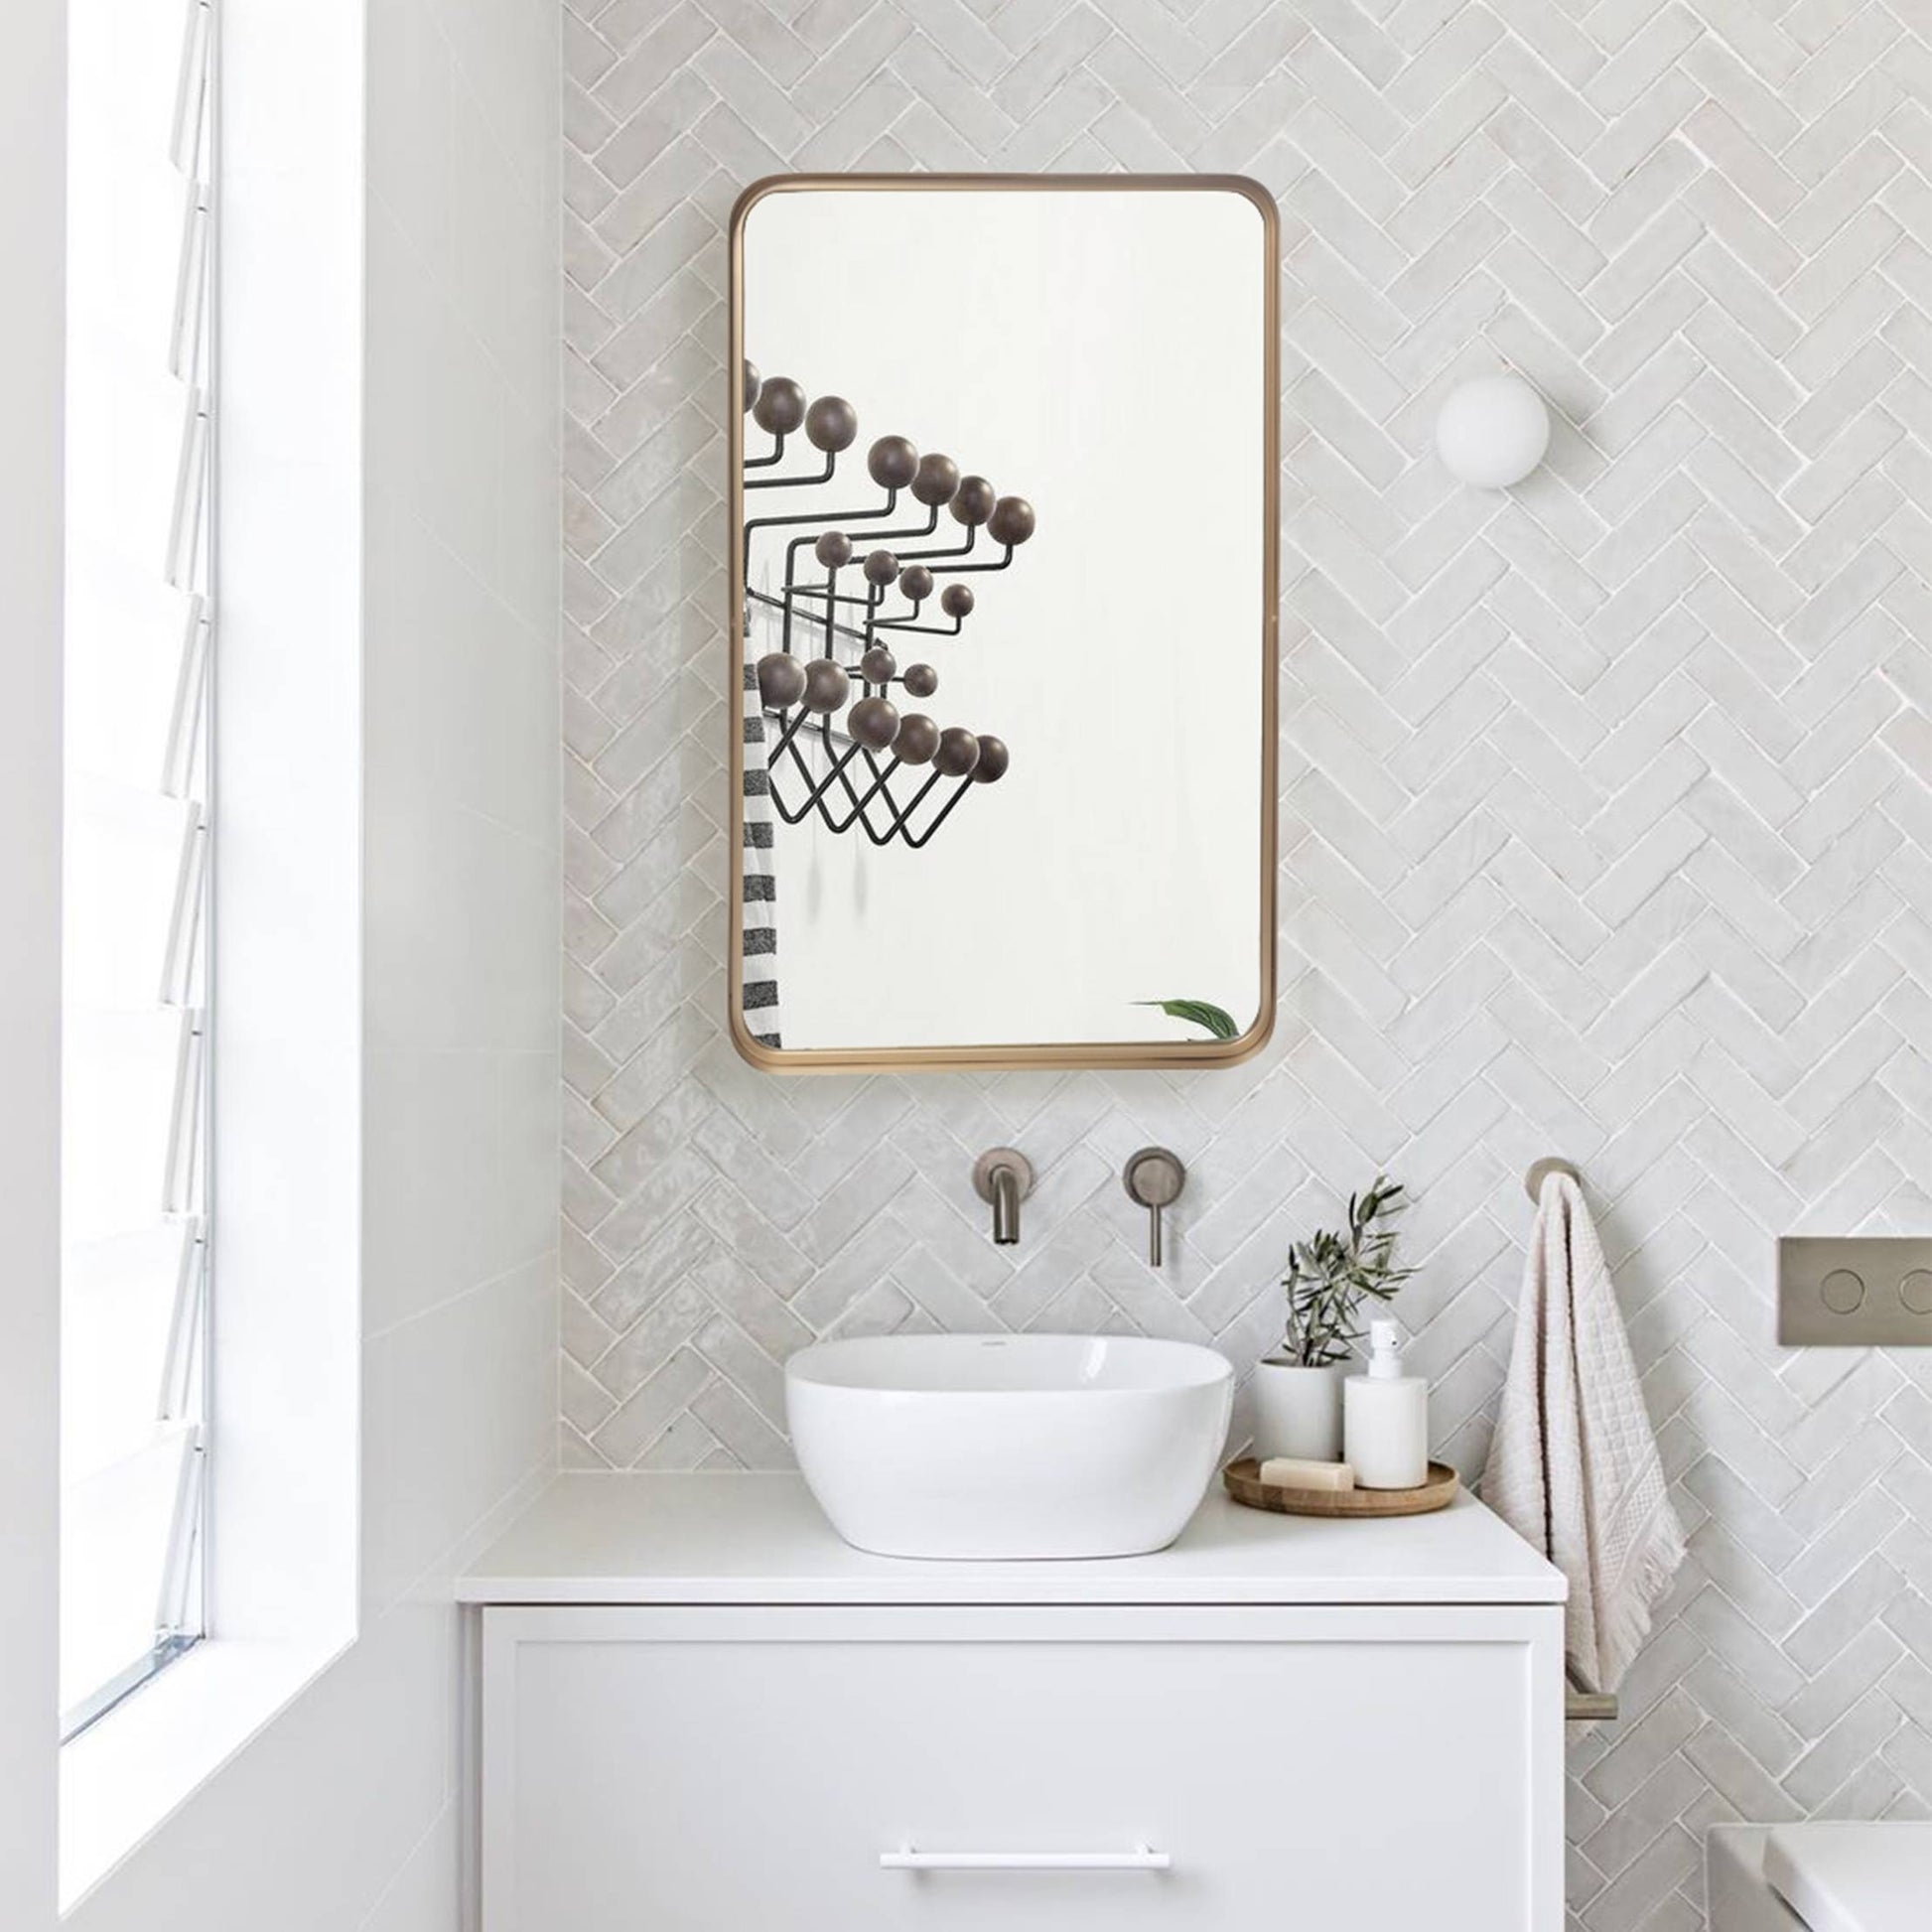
<point x="1843" y="1291"/>
<point x="1915" y="1290"/>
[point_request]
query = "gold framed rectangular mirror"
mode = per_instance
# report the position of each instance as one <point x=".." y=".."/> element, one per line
<point x="1003" y="462"/>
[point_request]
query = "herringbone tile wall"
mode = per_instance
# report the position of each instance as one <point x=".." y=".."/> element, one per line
<point x="1604" y="805"/>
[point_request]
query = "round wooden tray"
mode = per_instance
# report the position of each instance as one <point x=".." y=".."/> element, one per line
<point x="1244" y="1484"/>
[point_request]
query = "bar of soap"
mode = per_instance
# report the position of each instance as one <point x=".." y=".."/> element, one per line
<point x="1292" y="1473"/>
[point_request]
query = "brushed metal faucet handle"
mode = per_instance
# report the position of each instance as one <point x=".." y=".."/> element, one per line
<point x="1153" y="1177"/>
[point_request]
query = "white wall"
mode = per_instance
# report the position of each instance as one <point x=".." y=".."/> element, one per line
<point x="345" y="1812"/>
<point x="461" y="838"/>
<point x="1604" y="803"/>
<point x="31" y="168"/>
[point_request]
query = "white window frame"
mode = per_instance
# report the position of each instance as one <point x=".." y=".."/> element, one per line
<point x="189" y="555"/>
<point x="283" y="1519"/>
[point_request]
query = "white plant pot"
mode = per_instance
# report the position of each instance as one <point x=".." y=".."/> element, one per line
<point x="1298" y="1411"/>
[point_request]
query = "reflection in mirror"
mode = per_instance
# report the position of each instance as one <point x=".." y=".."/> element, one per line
<point x="1003" y="472"/>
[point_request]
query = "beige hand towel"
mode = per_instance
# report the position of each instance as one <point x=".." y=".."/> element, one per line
<point x="1573" y="1468"/>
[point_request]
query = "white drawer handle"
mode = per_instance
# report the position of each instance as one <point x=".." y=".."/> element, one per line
<point x="1141" y="1858"/>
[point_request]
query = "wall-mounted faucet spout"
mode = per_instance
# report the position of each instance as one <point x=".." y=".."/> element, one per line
<point x="1005" y="1208"/>
<point x="1005" y="1176"/>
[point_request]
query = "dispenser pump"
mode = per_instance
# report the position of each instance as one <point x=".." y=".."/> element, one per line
<point x="1385" y="1351"/>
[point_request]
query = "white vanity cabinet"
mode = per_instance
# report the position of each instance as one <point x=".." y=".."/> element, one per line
<point x="700" y="1713"/>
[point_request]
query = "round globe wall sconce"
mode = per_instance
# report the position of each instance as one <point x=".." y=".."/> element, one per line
<point x="1492" y="432"/>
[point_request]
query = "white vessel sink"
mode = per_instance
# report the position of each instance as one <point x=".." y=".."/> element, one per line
<point x="1008" y="1446"/>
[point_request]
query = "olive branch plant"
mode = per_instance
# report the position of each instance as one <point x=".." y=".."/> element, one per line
<point x="1330" y="1275"/>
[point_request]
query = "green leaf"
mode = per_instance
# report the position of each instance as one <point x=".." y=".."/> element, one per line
<point x="1330" y="1275"/>
<point x="1197" y="1012"/>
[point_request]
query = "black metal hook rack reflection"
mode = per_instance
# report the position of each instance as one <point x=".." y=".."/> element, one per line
<point x="878" y="768"/>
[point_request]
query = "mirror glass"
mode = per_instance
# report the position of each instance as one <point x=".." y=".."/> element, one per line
<point x="1003" y="465"/>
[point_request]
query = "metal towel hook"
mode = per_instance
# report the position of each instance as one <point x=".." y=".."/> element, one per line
<point x="1541" y="1171"/>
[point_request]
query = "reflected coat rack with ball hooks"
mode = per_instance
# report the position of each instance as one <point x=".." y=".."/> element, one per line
<point x="877" y="767"/>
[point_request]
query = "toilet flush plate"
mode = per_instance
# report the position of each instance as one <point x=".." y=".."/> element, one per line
<point x="1855" y="1291"/>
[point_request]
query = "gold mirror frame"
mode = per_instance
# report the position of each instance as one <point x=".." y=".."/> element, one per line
<point x="1099" y="1054"/>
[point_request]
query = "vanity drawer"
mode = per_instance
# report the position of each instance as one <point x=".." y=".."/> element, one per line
<point x="766" y="1770"/>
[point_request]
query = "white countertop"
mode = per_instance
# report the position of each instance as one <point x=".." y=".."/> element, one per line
<point x="735" y="1538"/>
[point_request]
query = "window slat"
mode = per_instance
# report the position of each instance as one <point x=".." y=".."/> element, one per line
<point x="181" y="1180"/>
<point x="180" y="1395"/>
<point x="120" y="1130"/>
<point x="189" y="702"/>
<point x="131" y="894"/>
<point x="175" y="1610"/>
<point x="124" y="1301"/>
<point x="190" y="285"/>
<point x="116" y="1527"/>
<point x="190" y="489"/>
<point x="128" y="428"/>
<point x="191" y="87"/>
<point x="134" y="657"/>
<point x="185" y="933"/>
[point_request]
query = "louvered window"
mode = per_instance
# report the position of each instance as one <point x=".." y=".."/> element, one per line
<point x="136" y="1029"/>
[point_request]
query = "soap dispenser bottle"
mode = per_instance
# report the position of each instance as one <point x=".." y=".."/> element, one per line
<point x="1385" y="1418"/>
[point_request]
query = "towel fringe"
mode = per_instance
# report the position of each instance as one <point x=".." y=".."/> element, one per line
<point x="1626" y="1615"/>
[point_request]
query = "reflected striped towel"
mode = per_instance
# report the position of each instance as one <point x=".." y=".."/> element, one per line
<point x="760" y="961"/>
<point x="1573" y="1468"/>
